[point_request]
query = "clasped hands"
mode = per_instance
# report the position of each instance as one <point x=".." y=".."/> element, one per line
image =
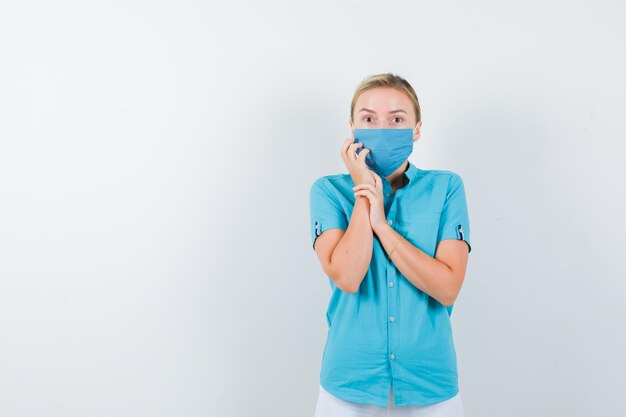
<point x="374" y="193"/>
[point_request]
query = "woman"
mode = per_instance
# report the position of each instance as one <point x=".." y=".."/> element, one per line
<point x="394" y="241"/>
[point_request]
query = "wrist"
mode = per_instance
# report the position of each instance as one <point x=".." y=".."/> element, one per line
<point x="380" y="227"/>
<point x="360" y="178"/>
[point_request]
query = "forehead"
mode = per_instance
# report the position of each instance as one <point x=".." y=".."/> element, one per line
<point x="383" y="98"/>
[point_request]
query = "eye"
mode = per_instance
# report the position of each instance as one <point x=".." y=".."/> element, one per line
<point x="398" y="117"/>
<point x="368" y="117"/>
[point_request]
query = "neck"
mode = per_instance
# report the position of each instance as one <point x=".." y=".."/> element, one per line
<point x="397" y="178"/>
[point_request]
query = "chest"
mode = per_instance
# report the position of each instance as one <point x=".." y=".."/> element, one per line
<point x="415" y="213"/>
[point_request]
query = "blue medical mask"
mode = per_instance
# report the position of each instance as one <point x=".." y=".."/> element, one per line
<point x="389" y="148"/>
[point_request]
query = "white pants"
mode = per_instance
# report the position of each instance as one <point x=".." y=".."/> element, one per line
<point x="330" y="406"/>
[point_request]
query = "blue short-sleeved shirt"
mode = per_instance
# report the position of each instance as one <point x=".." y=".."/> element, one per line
<point x="389" y="331"/>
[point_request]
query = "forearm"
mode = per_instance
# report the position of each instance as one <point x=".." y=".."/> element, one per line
<point x="425" y="272"/>
<point x="353" y="254"/>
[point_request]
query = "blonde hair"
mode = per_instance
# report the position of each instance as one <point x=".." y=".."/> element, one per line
<point x="387" y="80"/>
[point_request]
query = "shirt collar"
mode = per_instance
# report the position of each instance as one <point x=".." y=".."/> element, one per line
<point x="411" y="171"/>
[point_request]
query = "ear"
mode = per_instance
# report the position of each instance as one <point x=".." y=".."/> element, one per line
<point x="417" y="131"/>
<point x="351" y="126"/>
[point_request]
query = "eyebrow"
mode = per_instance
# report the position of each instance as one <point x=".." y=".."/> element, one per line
<point x="372" y="111"/>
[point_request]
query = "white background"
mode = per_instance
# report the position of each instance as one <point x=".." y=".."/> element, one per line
<point x="155" y="164"/>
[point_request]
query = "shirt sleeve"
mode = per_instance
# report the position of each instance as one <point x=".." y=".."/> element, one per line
<point x="454" y="217"/>
<point x="325" y="211"/>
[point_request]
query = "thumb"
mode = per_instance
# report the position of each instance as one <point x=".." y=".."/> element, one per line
<point x="377" y="179"/>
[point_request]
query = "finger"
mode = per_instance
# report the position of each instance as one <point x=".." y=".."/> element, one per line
<point x="347" y="143"/>
<point x="352" y="149"/>
<point x="375" y="189"/>
<point x="365" y="193"/>
<point x="378" y="182"/>
<point x="363" y="153"/>
<point x="363" y="185"/>
<point x="376" y="177"/>
<point x="370" y="188"/>
<point x="344" y="147"/>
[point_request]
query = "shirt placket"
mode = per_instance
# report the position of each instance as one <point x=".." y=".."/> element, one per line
<point x="391" y="279"/>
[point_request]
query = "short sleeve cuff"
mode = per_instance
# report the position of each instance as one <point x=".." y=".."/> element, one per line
<point x="319" y="227"/>
<point x="454" y="233"/>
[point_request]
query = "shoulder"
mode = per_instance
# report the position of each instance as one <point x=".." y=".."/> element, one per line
<point x="331" y="183"/>
<point x="441" y="177"/>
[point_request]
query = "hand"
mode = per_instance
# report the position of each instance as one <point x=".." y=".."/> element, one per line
<point x="374" y="194"/>
<point x="358" y="169"/>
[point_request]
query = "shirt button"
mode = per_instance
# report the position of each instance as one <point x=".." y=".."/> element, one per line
<point x="389" y="221"/>
<point x="391" y="284"/>
<point x="388" y="194"/>
<point x="392" y="356"/>
<point x="392" y="319"/>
